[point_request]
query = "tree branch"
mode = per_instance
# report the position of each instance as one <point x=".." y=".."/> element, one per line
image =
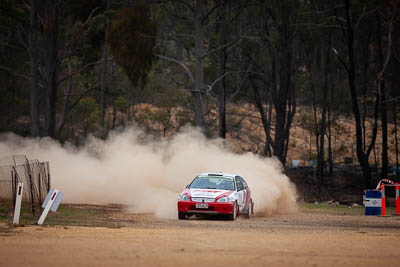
<point x="230" y="44"/>
<point x="340" y="59"/>
<point x="81" y="69"/>
<point x="181" y="64"/>
<point x="67" y="45"/>
<point x="216" y="80"/>
<point x="14" y="73"/>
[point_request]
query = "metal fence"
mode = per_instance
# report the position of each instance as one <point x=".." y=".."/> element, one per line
<point x="34" y="174"/>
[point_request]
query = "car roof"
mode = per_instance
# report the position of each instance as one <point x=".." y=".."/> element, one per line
<point x="216" y="174"/>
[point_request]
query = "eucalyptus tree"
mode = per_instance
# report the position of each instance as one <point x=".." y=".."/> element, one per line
<point x="270" y="50"/>
<point x="12" y="101"/>
<point x="191" y="24"/>
<point x="370" y="14"/>
<point x="386" y="16"/>
<point x="51" y="34"/>
<point x="38" y="33"/>
<point x="316" y="48"/>
<point x="225" y="61"/>
<point x="19" y="24"/>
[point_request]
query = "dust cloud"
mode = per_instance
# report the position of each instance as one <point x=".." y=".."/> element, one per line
<point x="146" y="175"/>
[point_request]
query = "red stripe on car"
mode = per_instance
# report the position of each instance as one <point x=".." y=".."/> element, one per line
<point x="226" y="194"/>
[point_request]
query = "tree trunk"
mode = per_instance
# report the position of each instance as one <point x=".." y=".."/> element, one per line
<point x="268" y="142"/>
<point x="222" y="70"/>
<point x="130" y="101"/>
<point x="356" y="111"/>
<point x="34" y="92"/>
<point x="272" y="92"/>
<point x="321" y="160"/>
<point x="364" y="90"/>
<point x="330" y="158"/>
<point x="316" y="123"/>
<point x="310" y="146"/>
<point x="330" y="153"/>
<point x="85" y="126"/>
<point x="264" y="120"/>
<point x="381" y="90"/>
<point x="199" y="79"/>
<point x="281" y="99"/>
<point x="102" y="107"/>
<point x="290" y="115"/>
<point x="114" y="107"/>
<point x="51" y="64"/>
<point x="67" y="92"/>
<point x="384" y="133"/>
<point x="395" y="137"/>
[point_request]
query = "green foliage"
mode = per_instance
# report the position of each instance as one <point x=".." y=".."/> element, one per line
<point x="11" y="14"/>
<point x="121" y="104"/>
<point x="14" y="92"/>
<point x="171" y="104"/>
<point x="86" y="106"/>
<point x="87" y="112"/>
<point x="314" y="156"/>
<point x="80" y="10"/>
<point x="132" y="39"/>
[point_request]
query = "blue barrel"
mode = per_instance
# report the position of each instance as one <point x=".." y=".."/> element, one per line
<point x="372" y="202"/>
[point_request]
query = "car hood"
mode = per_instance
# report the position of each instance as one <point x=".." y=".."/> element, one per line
<point x="209" y="193"/>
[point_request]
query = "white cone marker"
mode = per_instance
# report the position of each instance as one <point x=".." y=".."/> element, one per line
<point x="51" y="202"/>
<point x="18" y="200"/>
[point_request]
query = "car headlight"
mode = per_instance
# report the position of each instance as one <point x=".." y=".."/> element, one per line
<point x="223" y="199"/>
<point x="184" y="197"/>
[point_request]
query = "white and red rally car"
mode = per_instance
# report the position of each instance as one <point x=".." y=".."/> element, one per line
<point x="216" y="193"/>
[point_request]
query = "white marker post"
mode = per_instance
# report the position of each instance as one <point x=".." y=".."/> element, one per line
<point x="52" y="201"/>
<point x="18" y="200"/>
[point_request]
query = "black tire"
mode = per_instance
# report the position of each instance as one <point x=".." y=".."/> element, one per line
<point x="250" y="209"/>
<point x="233" y="216"/>
<point x="181" y="215"/>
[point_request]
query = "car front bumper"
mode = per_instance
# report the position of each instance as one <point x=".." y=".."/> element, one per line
<point x="213" y="207"/>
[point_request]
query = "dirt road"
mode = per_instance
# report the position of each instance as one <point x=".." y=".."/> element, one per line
<point x="304" y="239"/>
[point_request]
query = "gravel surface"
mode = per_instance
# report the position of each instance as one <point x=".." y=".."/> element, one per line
<point x="303" y="239"/>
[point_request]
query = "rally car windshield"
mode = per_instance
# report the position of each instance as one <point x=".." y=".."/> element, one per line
<point x="220" y="183"/>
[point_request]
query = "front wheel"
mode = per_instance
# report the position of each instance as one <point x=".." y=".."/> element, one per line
<point x="232" y="216"/>
<point x="181" y="215"/>
<point x="250" y="209"/>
